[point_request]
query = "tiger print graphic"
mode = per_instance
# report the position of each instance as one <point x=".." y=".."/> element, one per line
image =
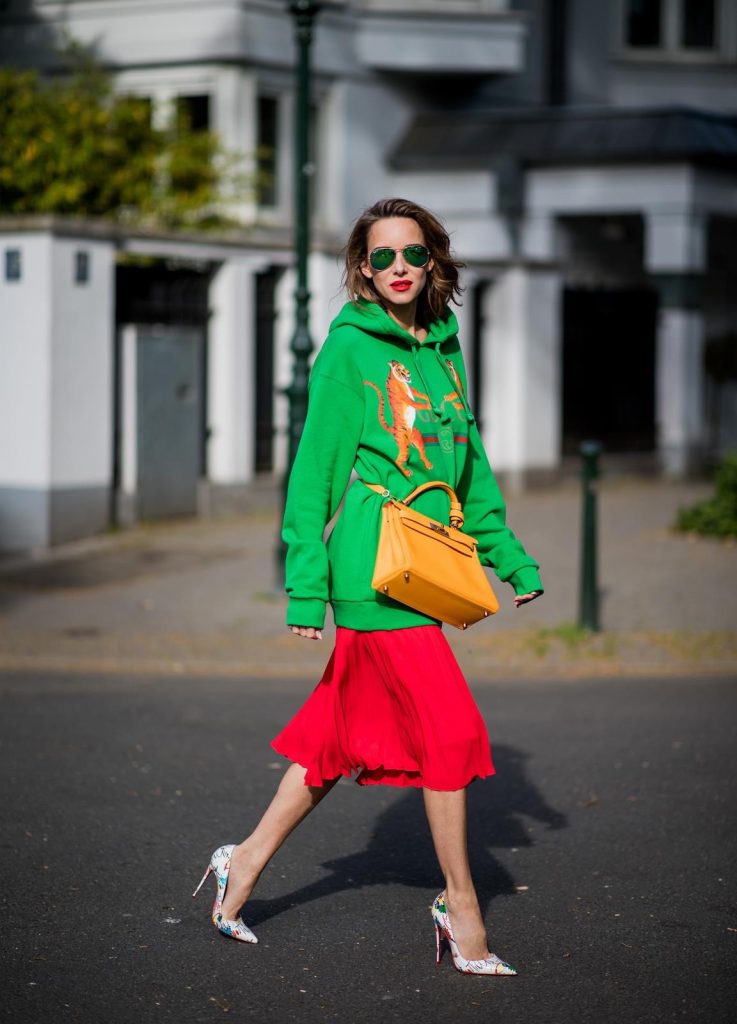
<point x="404" y="401"/>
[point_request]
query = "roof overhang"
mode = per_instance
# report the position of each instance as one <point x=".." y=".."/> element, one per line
<point x="475" y="140"/>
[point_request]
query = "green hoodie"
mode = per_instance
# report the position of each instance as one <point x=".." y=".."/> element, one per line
<point x="394" y="410"/>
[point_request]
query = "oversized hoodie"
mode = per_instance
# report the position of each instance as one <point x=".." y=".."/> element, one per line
<point x="394" y="410"/>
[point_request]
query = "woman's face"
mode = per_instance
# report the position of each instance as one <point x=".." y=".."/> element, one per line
<point x="401" y="283"/>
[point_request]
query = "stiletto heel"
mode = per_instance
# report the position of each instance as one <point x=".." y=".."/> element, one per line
<point x="444" y="934"/>
<point x="202" y="882"/>
<point x="220" y="865"/>
<point x="439" y="943"/>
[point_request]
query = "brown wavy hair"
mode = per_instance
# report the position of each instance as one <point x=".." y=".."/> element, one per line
<point x="442" y="284"/>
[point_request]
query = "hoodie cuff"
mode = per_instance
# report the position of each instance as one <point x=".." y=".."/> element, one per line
<point x="306" y="611"/>
<point x="526" y="580"/>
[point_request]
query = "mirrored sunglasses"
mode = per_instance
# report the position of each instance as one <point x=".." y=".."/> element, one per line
<point x="383" y="257"/>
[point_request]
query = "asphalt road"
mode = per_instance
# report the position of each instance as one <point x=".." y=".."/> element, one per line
<point x="604" y="852"/>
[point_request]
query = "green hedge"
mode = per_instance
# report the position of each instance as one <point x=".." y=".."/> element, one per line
<point x="717" y="516"/>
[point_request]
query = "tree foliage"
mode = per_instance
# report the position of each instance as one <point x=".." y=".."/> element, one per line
<point x="77" y="147"/>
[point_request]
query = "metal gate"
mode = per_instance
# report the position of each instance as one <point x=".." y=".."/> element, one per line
<point x="168" y="407"/>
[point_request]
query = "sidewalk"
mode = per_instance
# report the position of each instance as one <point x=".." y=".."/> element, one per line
<point x="198" y="597"/>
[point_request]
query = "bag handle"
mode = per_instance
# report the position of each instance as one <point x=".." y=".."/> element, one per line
<point x="456" y="509"/>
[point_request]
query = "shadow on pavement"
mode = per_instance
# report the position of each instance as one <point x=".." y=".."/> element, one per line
<point x="400" y="849"/>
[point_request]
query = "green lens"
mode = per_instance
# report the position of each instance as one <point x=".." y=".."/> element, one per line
<point x="416" y="255"/>
<point x="380" y="259"/>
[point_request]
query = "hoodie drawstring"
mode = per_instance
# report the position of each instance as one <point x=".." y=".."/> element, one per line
<point x="437" y="410"/>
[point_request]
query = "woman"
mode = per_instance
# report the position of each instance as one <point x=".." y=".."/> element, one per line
<point x="388" y="400"/>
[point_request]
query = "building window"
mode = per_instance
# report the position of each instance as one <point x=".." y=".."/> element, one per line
<point x="81" y="267"/>
<point x="193" y="113"/>
<point x="643" y="27"/>
<point x="671" y="29"/>
<point x="12" y="265"/>
<point x="698" y="25"/>
<point x="268" y="136"/>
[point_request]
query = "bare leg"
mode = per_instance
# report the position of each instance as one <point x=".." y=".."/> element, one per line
<point x="292" y="802"/>
<point x="446" y="814"/>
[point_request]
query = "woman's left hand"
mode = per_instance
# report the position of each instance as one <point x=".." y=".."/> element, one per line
<point x="520" y="599"/>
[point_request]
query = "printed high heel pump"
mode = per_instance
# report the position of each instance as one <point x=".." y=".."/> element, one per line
<point x="220" y="865"/>
<point x="444" y="936"/>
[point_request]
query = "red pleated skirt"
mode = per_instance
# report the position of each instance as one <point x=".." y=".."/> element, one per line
<point x="392" y="708"/>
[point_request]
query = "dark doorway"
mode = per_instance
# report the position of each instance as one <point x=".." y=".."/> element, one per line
<point x="609" y="368"/>
<point x="264" y="353"/>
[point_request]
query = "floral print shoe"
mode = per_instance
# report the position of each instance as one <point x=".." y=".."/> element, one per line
<point x="444" y="936"/>
<point x="220" y="865"/>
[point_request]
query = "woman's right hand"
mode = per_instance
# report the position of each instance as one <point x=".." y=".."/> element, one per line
<point x="308" y="631"/>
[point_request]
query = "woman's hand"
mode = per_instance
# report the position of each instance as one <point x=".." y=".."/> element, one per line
<point x="520" y="599"/>
<point x="308" y="631"/>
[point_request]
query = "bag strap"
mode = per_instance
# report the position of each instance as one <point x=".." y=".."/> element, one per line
<point x="456" y="509"/>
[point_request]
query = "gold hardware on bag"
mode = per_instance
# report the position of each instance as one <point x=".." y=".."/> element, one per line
<point x="437" y="565"/>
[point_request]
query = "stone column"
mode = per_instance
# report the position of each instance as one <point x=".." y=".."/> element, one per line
<point x="675" y="255"/>
<point x="521" y="389"/>
<point x="679" y="386"/>
<point x="230" y="377"/>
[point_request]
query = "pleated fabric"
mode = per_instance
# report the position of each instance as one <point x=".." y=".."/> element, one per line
<point x="392" y="708"/>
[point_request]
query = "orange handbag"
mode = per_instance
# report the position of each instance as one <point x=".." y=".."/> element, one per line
<point x="429" y="566"/>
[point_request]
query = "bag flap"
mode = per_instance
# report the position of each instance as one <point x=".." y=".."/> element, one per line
<point x="430" y="528"/>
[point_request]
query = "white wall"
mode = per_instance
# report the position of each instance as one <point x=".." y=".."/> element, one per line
<point x="230" y="376"/>
<point x="56" y="391"/>
<point x="25" y="357"/>
<point x="521" y="404"/>
<point x="82" y="366"/>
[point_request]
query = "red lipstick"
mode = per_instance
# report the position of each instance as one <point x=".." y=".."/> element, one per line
<point x="401" y="286"/>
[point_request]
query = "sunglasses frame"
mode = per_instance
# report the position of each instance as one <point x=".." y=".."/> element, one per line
<point x="403" y="250"/>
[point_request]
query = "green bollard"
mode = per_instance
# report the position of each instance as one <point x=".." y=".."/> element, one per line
<point x="588" y="614"/>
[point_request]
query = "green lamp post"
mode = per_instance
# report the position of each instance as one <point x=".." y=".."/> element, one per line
<point x="303" y="13"/>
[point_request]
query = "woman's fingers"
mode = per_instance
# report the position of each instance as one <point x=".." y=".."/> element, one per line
<point x="524" y="598"/>
<point x="307" y="631"/>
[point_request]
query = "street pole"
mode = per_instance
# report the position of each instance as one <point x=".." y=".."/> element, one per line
<point x="303" y="12"/>
<point x="588" y="616"/>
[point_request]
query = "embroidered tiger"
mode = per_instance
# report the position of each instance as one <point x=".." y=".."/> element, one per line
<point x="404" y="401"/>
<point x="455" y="396"/>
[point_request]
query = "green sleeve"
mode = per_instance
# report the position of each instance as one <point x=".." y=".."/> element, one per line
<point x="485" y="519"/>
<point x="319" y="477"/>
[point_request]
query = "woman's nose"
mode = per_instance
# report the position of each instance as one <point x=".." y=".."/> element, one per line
<point x="399" y="265"/>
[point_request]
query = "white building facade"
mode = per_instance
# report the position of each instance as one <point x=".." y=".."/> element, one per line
<point x="583" y="156"/>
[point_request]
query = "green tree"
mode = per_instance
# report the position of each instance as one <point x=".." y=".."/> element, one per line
<point x="76" y="147"/>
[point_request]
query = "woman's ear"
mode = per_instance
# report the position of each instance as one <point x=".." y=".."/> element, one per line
<point x="366" y="270"/>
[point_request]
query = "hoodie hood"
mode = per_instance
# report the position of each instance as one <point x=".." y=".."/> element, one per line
<point x="372" y="318"/>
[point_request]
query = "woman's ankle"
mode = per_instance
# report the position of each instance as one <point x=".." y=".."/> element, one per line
<point x="462" y="898"/>
<point x="245" y="865"/>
